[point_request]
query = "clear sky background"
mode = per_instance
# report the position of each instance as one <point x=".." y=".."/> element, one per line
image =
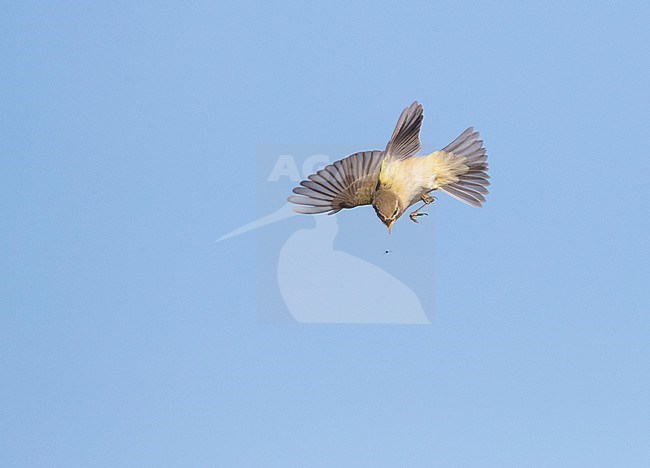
<point x="129" y="134"/>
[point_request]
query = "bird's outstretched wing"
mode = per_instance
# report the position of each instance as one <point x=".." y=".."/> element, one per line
<point x="347" y="183"/>
<point x="351" y="181"/>
<point x="405" y="140"/>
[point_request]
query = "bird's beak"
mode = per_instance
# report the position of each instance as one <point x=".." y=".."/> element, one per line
<point x="390" y="225"/>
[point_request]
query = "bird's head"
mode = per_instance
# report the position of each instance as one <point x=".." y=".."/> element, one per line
<point x="387" y="206"/>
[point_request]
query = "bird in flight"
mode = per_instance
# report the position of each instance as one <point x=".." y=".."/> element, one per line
<point x="394" y="179"/>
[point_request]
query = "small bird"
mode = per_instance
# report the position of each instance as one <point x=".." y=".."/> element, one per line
<point x="394" y="179"/>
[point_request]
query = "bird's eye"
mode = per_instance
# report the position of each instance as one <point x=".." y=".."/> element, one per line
<point x="395" y="212"/>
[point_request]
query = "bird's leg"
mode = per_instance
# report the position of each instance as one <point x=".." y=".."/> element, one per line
<point x="427" y="200"/>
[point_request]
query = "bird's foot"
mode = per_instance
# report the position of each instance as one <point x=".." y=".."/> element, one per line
<point x="415" y="214"/>
<point x="427" y="199"/>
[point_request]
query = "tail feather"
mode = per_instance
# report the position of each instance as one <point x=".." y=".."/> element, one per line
<point x="472" y="184"/>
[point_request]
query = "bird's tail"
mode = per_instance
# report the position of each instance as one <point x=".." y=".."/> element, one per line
<point x="471" y="186"/>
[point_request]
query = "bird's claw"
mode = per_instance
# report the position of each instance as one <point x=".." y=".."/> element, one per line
<point x="415" y="214"/>
<point x="427" y="199"/>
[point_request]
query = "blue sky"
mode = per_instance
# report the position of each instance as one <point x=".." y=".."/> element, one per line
<point x="130" y="141"/>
